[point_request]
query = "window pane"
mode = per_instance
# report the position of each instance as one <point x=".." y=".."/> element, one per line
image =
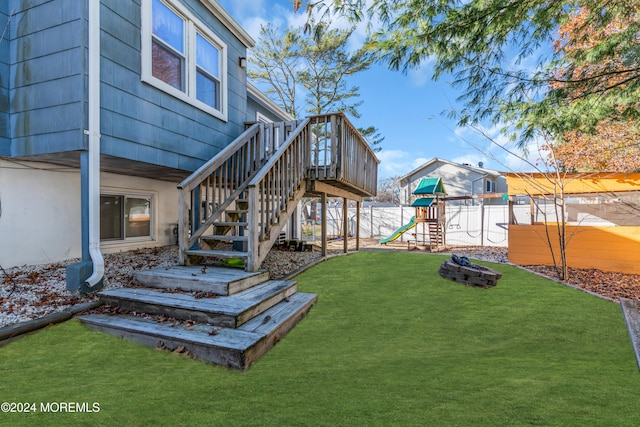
<point x="207" y="90"/>
<point x="168" y="26"/>
<point x="207" y="56"/>
<point x="166" y="66"/>
<point x="111" y="217"/>
<point x="138" y="217"/>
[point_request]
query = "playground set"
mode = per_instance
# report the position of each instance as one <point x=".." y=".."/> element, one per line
<point x="429" y="219"/>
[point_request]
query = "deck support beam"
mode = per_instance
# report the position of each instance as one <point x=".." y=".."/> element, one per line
<point x="357" y="226"/>
<point x="345" y="225"/>
<point x="316" y="186"/>
<point x="323" y="226"/>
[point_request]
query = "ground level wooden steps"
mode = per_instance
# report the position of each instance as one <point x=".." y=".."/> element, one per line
<point x="234" y="329"/>
<point x="231" y="311"/>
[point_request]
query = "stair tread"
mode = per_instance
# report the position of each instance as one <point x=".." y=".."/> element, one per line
<point x="238" y="338"/>
<point x="214" y="253"/>
<point x="215" y="274"/>
<point x="270" y="319"/>
<point x="219" y="280"/>
<point x="231" y="223"/>
<point x="231" y="305"/>
<point x="226" y="337"/>
<point x="225" y="237"/>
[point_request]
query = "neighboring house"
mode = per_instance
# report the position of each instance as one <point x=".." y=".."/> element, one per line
<point x="105" y="106"/>
<point x="460" y="179"/>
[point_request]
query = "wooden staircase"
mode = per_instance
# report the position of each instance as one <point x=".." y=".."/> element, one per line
<point x="235" y="206"/>
<point x="224" y="316"/>
<point x="232" y="230"/>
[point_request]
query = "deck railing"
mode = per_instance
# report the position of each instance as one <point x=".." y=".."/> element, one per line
<point x="324" y="147"/>
<point x="272" y="162"/>
<point x="340" y="154"/>
<point x="274" y="193"/>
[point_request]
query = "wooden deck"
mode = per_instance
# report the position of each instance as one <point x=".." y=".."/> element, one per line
<point x="259" y="179"/>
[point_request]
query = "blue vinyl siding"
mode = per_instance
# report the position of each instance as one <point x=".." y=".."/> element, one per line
<point x="44" y="85"/>
<point x="5" y="148"/>
<point x="143" y="123"/>
<point x="46" y="76"/>
<point x="254" y="107"/>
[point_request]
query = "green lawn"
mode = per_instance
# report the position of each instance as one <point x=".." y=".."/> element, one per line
<point x="388" y="343"/>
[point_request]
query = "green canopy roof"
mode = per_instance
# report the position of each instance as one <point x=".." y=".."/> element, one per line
<point x="423" y="202"/>
<point x="430" y="186"/>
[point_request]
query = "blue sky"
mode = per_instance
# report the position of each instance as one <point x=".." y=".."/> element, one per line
<point x="406" y="108"/>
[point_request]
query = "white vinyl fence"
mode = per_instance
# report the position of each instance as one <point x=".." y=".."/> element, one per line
<point x="465" y="226"/>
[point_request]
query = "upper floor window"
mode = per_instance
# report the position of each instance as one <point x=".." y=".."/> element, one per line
<point x="183" y="57"/>
<point x="490" y="186"/>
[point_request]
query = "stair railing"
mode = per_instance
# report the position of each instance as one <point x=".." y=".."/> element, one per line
<point x="275" y="191"/>
<point x="205" y="194"/>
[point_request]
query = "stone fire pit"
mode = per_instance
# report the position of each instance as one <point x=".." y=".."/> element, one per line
<point x="461" y="270"/>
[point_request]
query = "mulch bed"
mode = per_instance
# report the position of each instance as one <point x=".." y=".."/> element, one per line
<point x="606" y="283"/>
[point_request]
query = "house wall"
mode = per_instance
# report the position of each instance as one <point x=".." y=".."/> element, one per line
<point x="46" y="78"/>
<point x="603" y="248"/>
<point x="254" y="107"/>
<point x="4" y="80"/>
<point x="40" y="212"/>
<point x="143" y="123"/>
<point x="48" y="84"/>
<point x="457" y="182"/>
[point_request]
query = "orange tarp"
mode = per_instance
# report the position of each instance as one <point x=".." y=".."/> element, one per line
<point x="536" y="183"/>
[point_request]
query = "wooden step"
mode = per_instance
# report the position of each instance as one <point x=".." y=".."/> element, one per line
<point x="231" y="311"/>
<point x="225" y="238"/>
<point x="231" y="224"/>
<point x="220" y="281"/>
<point x="216" y="254"/>
<point x="234" y="348"/>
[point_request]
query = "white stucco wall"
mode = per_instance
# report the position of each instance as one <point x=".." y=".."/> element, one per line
<point x="40" y="212"/>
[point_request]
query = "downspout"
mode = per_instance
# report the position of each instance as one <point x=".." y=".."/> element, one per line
<point x="93" y="134"/>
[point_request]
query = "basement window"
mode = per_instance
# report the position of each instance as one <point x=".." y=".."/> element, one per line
<point x="124" y="217"/>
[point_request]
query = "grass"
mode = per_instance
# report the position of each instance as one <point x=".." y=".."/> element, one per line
<point x="388" y="343"/>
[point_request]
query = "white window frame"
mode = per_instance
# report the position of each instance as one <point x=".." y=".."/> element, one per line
<point x="262" y="118"/>
<point x="193" y="26"/>
<point x="490" y="186"/>
<point x="152" y="196"/>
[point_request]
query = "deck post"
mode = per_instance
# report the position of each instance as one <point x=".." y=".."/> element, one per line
<point x="345" y="225"/>
<point x="323" y="226"/>
<point x="357" y="225"/>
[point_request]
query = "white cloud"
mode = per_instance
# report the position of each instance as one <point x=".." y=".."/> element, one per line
<point x="422" y="74"/>
<point x="397" y="163"/>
